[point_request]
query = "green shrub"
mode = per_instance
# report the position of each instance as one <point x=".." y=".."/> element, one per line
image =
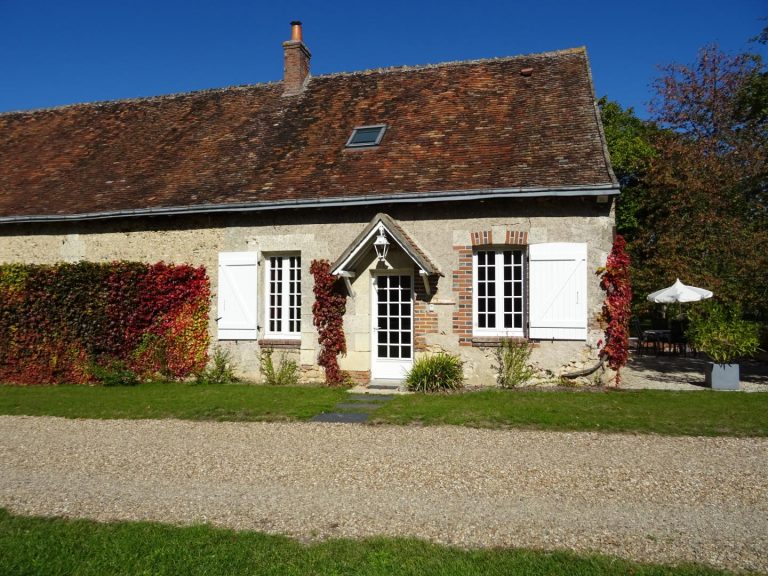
<point x="512" y="363"/>
<point x="286" y="373"/>
<point x="114" y="373"/>
<point x="220" y="369"/>
<point x="719" y="332"/>
<point x="437" y="373"/>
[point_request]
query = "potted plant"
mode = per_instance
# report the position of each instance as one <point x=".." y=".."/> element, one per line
<point x="719" y="332"/>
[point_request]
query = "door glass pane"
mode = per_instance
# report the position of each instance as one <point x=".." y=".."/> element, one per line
<point x="394" y="336"/>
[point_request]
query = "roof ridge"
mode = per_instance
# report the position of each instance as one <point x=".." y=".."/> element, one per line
<point x="141" y="99"/>
<point x="419" y="67"/>
<point x="270" y="83"/>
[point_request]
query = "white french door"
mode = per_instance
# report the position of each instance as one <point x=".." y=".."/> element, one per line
<point x="392" y="326"/>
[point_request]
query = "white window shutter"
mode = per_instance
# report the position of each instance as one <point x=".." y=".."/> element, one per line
<point x="558" y="291"/>
<point x="238" y="274"/>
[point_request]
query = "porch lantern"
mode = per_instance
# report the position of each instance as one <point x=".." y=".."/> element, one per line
<point x="381" y="245"/>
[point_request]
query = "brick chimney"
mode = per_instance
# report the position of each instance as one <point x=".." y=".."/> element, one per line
<point x="296" y="62"/>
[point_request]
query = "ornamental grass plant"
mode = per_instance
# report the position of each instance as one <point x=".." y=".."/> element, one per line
<point x="440" y="372"/>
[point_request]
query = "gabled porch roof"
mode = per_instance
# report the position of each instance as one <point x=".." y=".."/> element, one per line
<point x="345" y="264"/>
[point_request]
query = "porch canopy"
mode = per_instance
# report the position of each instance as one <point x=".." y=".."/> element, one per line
<point x="383" y="224"/>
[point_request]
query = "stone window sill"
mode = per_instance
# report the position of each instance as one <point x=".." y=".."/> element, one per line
<point x="494" y="341"/>
<point x="280" y="344"/>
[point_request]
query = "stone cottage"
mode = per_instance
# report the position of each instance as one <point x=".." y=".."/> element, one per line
<point x="460" y="203"/>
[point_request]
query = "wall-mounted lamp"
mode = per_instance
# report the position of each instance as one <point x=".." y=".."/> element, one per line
<point x="381" y="245"/>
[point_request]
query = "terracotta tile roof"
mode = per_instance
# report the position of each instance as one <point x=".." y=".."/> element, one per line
<point x="451" y="127"/>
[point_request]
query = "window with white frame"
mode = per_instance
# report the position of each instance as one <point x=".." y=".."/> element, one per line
<point x="497" y="290"/>
<point x="283" y="288"/>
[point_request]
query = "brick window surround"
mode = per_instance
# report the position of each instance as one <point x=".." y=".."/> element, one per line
<point x="462" y="280"/>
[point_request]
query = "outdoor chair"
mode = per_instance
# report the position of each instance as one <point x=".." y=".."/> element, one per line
<point x="678" y="341"/>
<point x="642" y="343"/>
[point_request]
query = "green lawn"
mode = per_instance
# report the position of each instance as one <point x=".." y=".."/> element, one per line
<point x="699" y="413"/>
<point x="170" y="400"/>
<point x="703" y="413"/>
<point x="30" y="546"/>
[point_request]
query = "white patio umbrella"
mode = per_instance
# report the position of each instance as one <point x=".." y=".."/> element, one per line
<point x="679" y="292"/>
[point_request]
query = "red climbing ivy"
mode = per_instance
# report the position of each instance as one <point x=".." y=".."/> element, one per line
<point x="328" y="317"/>
<point x="617" y="306"/>
<point x="58" y="322"/>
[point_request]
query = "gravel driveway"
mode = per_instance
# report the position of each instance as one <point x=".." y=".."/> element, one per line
<point x="647" y="498"/>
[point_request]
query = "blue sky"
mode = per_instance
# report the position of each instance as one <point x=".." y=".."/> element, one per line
<point x="68" y="51"/>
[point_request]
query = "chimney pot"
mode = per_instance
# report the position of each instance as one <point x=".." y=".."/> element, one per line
<point x="295" y="62"/>
<point x="296" y="31"/>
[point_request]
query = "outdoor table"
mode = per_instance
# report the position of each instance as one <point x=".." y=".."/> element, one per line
<point x="658" y="337"/>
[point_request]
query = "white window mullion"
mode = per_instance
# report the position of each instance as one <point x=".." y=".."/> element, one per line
<point x="286" y="298"/>
<point x="499" y="282"/>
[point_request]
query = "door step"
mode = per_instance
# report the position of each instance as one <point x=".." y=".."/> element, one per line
<point x="382" y="384"/>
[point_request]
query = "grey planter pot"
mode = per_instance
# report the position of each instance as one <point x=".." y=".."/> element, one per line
<point x="722" y="376"/>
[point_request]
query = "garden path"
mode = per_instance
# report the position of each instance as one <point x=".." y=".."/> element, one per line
<point x="644" y="497"/>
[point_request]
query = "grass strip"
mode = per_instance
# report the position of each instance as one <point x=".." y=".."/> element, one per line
<point x="700" y="413"/>
<point x="50" y="546"/>
<point x="171" y="400"/>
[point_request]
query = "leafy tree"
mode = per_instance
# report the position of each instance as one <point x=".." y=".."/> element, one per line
<point x="631" y="149"/>
<point x="703" y="212"/>
<point x="752" y="104"/>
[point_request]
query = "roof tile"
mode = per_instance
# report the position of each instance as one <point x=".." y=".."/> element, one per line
<point x="458" y="126"/>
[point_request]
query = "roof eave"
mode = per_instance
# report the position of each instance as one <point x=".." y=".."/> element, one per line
<point x="366" y="200"/>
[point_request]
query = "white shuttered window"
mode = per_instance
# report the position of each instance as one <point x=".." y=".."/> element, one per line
<point x="498" y="281"/>
<point x="238" y="276"/>
<point x="558" y="291"/>
<point x="283" y="311"/>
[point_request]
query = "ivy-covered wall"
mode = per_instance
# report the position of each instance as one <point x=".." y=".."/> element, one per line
<point x="57" y="321"/>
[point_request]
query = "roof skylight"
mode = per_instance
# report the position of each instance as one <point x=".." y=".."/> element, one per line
<point x="366" y="136"/>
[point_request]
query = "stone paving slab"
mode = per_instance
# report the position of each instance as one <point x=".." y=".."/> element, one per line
<point x="358" y="406"/>
<point x="342" y="417"/>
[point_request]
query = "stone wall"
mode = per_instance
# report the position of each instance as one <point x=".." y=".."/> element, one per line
<point x="443" y="230"/>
